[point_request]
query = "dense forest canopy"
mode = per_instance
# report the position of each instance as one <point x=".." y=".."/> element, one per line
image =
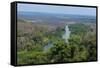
<point x="37" y="32"/>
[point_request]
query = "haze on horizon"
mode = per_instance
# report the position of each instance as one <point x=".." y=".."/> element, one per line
<point x="56" y="9"/>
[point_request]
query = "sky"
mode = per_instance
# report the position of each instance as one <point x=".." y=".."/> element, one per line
<point x="56" y="9"/>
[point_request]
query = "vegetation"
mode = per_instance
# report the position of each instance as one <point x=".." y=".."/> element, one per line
<point x="32" y="38"/>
